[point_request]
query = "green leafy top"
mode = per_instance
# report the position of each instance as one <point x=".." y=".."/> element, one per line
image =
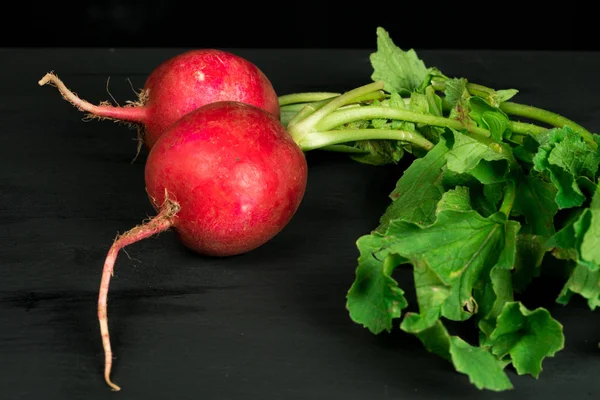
<point x="485" y="205"/>
<point x="569" y="161"/>
<point x="401" y="71"/>
<point x="474" y="217"/>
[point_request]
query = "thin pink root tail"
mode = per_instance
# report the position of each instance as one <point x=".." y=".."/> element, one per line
<point x="135" y="113"/>
<point x="160" y="223"/>
<point x="102" y="309"/>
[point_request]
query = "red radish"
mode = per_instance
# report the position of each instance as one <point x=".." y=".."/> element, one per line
<point x="180" y="85"/>
<point x="226" y="177"/>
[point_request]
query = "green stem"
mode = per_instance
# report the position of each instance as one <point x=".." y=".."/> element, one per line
<point x="286" y="115"/>
<point x="342" y="148"/>
<point x="523" y="128"/>
<point x="521" y="110"/>
<point x="296" y="107"/>
<point x="342" y="117"/>
<point x="509" y="198"/>
<point x="308" y="123"/>
<point x="377" y="95"/>
<point x="317" y="140"/>
<point x="479" y="90"/>
<point x="515" y="126"/>
<point x="293" y="113"/>
<point x="304" y="97"/>
<point x="548" y="117"/>
<point x="307" y="111"/>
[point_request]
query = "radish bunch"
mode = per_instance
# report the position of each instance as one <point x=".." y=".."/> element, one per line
<point x="226" y="171"/>
<point x="222" y="170"/>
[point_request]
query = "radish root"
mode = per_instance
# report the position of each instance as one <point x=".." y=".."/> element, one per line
<point x="161" y="222"/>
<point x="109" y="93"/>
<point x="143" y="96"/>
<point x="132" y="114"/>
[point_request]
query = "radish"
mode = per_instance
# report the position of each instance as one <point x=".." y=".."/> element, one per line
<point x="227" y="177"/>
<point x="179" y="85"/>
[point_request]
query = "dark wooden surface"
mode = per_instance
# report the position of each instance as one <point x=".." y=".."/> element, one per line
<point x="270" y="324"/>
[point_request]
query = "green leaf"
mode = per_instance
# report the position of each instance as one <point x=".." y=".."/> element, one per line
<point x="590" y="245"/>
<point x="527" y="150"/>
<point x="527" y="337"/>
<point x="374" y="300"/>
<point x="501" y="238"/>
<point x="535" y="201"/>
<point x="401" y="71"/>
<point x="530" y="254"/>
<point x="484" y="370"/>
<point x="455" y="91"/>
<point x="396" y="101"/>
<point x="452" y="179"/>
<point x="459" y="99"/>
<point x="488" y="117"/>
<point x="578" y="239"/>
<point x="493" y="292"/>
<point x="475" y="110"/>
<point x="500" y="96"/>
<point x="481" y="367"/>
<point x="474" y="241"/>
<point x="494" y="192"/>
<point x="380" y="152"/>
<point x="565" y="243"/>
<point x="490" y="172"/>
<point x="429" y="103"/>
<point x="457" y="199"/>
<point x="435" y="337"/>
<point x="572" y="154"/>
<point x="426" y="103"/>
<point x="418" y="191"/>
<point x="569" y="194"/>
<point x="377" y="123"/>
<point x="435" y="102"/>
<point x="506" y="259"/>
<point x="416" y="323"/>
<point x="565" y="156"/>
<point x="467" y="153"/>
<point x="577" y="242"/>
<point x="419" y="103"/>
<point x="430" y="289"/>
<point x="431" y="294"/>
<point x="584" y="282"/>
<point x="486" y="198"/>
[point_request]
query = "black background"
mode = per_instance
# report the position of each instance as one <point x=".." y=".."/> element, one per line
<point x="300" y="24"/>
